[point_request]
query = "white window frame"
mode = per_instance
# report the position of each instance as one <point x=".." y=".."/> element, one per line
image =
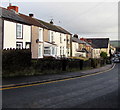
<point x="60" y="50"/>
<point x="63" y="51"/>
<point x="19" y="31"/>
<point x="60" y="38"/>
<point x="47" y="49"/>
<point x="40" y="35"/>
<point x="53" y="50"/>
<point x="39" y="51"/>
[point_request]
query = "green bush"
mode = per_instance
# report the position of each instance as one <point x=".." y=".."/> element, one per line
<point x="103" y="55"/>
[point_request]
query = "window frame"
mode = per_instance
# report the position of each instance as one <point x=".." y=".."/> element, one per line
<point x="39" y="47"/>
<point x="49" y="49"/>
<point x="40" y="35"/>
<point x="19" y="37"/>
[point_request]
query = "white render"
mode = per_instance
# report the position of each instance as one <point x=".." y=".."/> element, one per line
<point x="10" y="35"/>
<point x="75" y="53"/>
<point x="56" y="40"/>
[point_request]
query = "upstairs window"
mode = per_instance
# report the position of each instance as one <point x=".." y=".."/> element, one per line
<point x="60" y="38"/>
<point x="52" y="37"/>
<point x="19" y="31"/>
<point x="40" y="35"/>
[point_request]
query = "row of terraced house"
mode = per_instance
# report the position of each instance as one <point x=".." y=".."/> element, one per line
<point x="45" y="39"/>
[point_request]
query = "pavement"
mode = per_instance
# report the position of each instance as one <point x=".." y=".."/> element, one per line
<point x="92" y="91"/>
<point x="6" y="82"/>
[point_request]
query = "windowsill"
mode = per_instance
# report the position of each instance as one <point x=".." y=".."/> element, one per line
<point x="19" y="37"/>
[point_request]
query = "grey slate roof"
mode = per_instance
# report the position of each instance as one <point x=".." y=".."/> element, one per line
<point x="21" y="18"/>
<point x="99" y="42"/>
<point x="74" y="39"/>
<point x="63" y="30"/>
<point x="12" y="16"/>
<point x="54" y="27"/>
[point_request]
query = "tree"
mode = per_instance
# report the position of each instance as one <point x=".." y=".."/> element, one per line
<point x="103" y="55"/>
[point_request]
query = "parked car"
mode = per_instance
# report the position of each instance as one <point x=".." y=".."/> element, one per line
<point x="116" y="60"/>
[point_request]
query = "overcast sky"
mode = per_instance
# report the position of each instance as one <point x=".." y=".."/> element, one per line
<point x="87" y="19"/>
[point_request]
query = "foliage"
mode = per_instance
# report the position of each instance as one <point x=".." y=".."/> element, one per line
<point x="15" y="59"/>
<point x="103" y="55"/>
<point x="19" y="63"/>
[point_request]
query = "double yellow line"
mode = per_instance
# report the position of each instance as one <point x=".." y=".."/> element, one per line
<point x="59" y="80"/>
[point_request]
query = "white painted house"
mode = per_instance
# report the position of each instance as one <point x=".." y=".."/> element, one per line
<point x="56" y="41"/>
<point x="16" y="32"/>
<point x="44" y="39"/>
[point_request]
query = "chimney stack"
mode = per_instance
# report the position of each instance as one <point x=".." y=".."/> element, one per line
<point x="10" y="7"/>
<point x="75" y="35"/>
<point x="51" y="22"/>
<point x="31" y="15"/>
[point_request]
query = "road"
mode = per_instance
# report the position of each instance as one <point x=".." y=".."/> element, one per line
<point x="96" y="91"/>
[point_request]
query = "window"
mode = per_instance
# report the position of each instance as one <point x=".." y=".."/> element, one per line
<point x="51" y="36"/>
<point x="47" y="50"/>
<point x="19" y="30"/>
<point x="60" y="38"/>
<point x="40" y="35"/>
<point x="53" y="50"/>
<point x="60" y="50"/>
<point x="39" y="51"/>
<point x="19" y="45"/>
<point x="63" y="50"/>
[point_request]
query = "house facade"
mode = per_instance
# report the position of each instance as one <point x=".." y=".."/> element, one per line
<point x="57" y="41"/>
<point x="78" y="47"/>
<point x="48" y="39"/>
<point x="16" y="32"/>
<point x="99" y="45"/>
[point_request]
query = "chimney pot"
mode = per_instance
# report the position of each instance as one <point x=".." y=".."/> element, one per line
<point x="51" y="22"/>
<point x="31" y="15"/>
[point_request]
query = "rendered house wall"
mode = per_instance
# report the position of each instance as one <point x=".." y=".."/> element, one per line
<point x="10" y="38"/>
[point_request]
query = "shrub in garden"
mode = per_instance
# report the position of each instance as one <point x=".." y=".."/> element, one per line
<point x="103" y="55"/>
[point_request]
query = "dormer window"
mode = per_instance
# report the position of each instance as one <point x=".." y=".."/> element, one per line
<point x="19" y="31"/>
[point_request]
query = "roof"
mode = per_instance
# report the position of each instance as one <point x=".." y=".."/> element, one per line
<point x="12" y="16"/>
<point x="99" y="42"/>
<point x="74" y="39"/>
<point x="21" y="18"/>
<point x="54" y="27"/>
<point x="63" y="30"/>
<point x="32" y="21"/>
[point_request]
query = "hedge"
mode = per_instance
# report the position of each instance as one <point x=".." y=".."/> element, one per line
<point x="15" y="59"/>
<point x="19" y="63"/>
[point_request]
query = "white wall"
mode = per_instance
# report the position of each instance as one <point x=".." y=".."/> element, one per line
<point x="74" y="48"/>
<point x="96" y="53"/>
<point x="10" y="35"/>
<point x="56" y="39"/>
